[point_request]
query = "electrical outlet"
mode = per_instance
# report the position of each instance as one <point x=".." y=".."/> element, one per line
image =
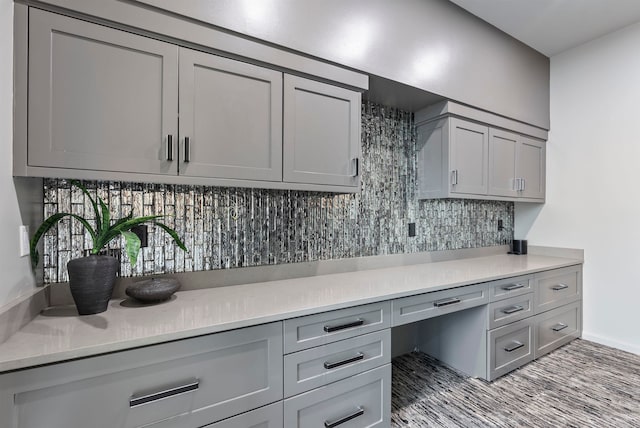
<point x="412" y="229"/>
<point x="500" y="226"/>
<point x="24" y="240"/>
<point x="141" y="231"/>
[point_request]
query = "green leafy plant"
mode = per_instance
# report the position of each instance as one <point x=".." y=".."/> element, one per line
<point x="105" y="230"/>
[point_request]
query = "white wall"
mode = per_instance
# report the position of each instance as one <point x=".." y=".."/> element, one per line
<point x="593" y="180"/>
<point x="16" y="277"/>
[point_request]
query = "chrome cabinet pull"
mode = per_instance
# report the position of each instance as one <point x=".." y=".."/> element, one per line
<point x="512" y="287"/>
<point x="513" y="346"/>
<point x="140" y="399"/>
<point x="357" y="166"/>
<point x="559" y="287"/>
<point x="169" y="147"/>
<point x="559" y="326"/>
<point x="187" y="149"/>
<point x="332" y="328"/>
<point x="523" y="184"/>
<point x="513" y="309"/>
<point x="332" y="424"/>
<point x="359" y="356"/>
<point x="454" y="177"/>
<point x="446" y="302"/>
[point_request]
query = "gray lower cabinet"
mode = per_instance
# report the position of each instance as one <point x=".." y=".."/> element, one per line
<point x="558" y="287"/>
<point x="265" y="417"/>
<point x="230" y="118"/>
<point x="509" y="347"/>
<point x="360" y="401"/>
<point x="321" y="133"/>
<point x="186" y="383"/>
<point x="557" y="327"/>
<point x="99" y="98"/>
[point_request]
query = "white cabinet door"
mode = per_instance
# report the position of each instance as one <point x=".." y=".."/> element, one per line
<point x="230" y="118"/>
<point x="502" y="162"/>
<point x="100" y="99"/>
<point x="531" y="168"/>
<point x="468" y="156"/>
<point x="321" y="133"/>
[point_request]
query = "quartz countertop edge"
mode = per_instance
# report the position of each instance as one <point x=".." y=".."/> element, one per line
<point x="59" y="334"/>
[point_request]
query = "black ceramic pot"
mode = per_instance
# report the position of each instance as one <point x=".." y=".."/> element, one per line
<point x="91" y="281"/>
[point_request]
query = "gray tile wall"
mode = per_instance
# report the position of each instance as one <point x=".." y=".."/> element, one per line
<point x="233" y="227"/>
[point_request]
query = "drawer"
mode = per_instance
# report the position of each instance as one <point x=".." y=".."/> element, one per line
<point x="320" y="329"/>
<point x="428" y="305"/>
<point x="322" y="365"/>
<point x="510" y="287"/>
<point x="194" y="381"/>
<point x="510" y="347"/>
<point x="558" y="287"/>
<point x="363" y="400"/>
<point x="265" y="417"/>
<point x="510" y="310"/>
<point x="557" y="327"/>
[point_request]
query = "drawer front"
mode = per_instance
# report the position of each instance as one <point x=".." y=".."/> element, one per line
<point x="320" y="329"/>
<point x="196" y="381"/>
<point x="265" y="417"/>
<point x="510" y="287"/>
<point x="510" y="310"/>
<point x="363" y="400"/>
<point x="428" y="305"/>
<point x="558" y="287"/>
<point x="557" y="327"/>
<point x="322" y="365"/>
<point x="510" y="347"/>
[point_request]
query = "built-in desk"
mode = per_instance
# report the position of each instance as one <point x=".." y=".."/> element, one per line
<point x="222" y="355"/>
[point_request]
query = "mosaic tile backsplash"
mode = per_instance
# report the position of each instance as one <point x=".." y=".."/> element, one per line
<point x="235" y="227"/>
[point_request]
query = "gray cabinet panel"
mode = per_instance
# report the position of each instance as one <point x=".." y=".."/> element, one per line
<point x="468" y="157"/>
<point x="531" y="167"/>
<point x="558" y="287"/>
<point x="321" y="133"/>
<point x="265" y="417"/>
<point x="502" y="163"/>
<point x="324" y="364"/>
<point x="509" y="310"/>
<point x="99" y="98"/>
<point x="510" y="287"/>
<point x="557" y="327"/>
<point x="231" y="114"/>
<point x="227" y="373"/>
<point x="510" y="347"/>
<point x="365" y="398"/>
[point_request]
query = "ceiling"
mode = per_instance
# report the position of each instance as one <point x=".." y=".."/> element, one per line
<point x="552" y="26"/>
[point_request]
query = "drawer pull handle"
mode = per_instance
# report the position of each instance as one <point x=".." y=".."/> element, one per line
<point x="512" y="287"/>
<point x="187" y="149"/>
<point x="332" y="424"/>
<point x="332" y="328"/>
<point x="513" y="309"/>
<point x="446" y="302"/>
<point x="359" y="356"/>
<point x="559" y="326"/>
<point x="513" y="346"/>
<point x="169" y="147"/>
<point x="559" y="287"/>
<point x="138" y="400"/>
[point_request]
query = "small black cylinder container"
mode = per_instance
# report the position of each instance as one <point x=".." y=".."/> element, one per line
<point x="518" y="246"/>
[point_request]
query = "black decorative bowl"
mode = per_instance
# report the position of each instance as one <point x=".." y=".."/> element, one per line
<point x="153" y="290"/>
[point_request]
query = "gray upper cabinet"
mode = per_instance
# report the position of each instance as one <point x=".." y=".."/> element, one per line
<point x="459" y="158"/>
<point x="321" y="133"/>
<point x="99" y="98"/>
<point x="107" y="104"/>
<point x="516" y="165"/>
<point x="452" y="158"/>
<point x="230" y="118"/>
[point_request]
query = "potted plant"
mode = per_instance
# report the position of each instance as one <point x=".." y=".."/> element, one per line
<point x="91" y="278"/>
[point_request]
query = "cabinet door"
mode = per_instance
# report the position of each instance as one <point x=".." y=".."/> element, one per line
<point x="469" y="150"/>
<point x="502" y="163"/>
<point x="230" y="118"/>
<point x="99" y="98"/>
<point x="531" y="168"/>
<point x="321" y="133"/>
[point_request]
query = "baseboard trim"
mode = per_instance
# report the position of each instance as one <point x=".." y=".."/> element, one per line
<point x="624" y="346"/>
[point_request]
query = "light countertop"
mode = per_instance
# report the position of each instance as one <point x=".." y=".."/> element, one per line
<point x="59" y="334"/>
